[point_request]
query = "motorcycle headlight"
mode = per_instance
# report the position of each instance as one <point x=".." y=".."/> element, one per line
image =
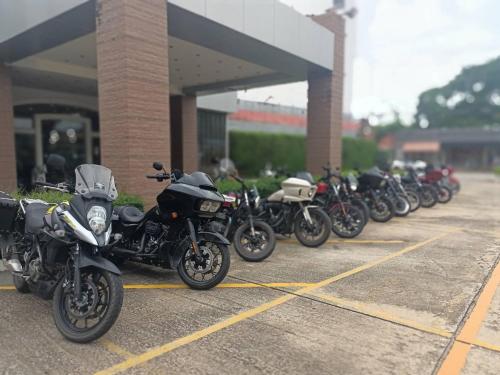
<point x="354" y="187"/>
<point x="97" y="219"/>
<point x="209" y="206"/>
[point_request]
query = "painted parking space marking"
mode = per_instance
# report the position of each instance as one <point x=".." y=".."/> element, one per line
<point x="114" y="348"/>
<point x="220" y="286"/>
<point x="367" y="242"/>
<point x="366" y="310"/>
<point x="455" y="359"/>
<point x="163" y="349"/>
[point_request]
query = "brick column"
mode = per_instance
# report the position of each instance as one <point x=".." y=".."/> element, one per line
<point x="324" y="108"/>
<point x="133" y="83"/>
<point x="8" y="173"/>
<point x="184" y="133"/>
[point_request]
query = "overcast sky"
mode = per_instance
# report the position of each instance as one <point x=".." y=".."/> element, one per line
<point x="404" y="47"/>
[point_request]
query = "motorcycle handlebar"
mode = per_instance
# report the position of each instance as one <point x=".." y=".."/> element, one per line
<point x="159" y="176"/>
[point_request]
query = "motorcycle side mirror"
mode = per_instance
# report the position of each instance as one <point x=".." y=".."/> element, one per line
<point x="158" y="166"/>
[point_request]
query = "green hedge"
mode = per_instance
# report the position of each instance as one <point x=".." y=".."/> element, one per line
<point x="266" y="185"/>
<point x="252" y="151"/>
<point x="496" y="170"/>
<point x="57" y="197"/>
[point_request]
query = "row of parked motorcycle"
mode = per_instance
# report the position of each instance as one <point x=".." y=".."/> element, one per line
<point x="71" y="252"/>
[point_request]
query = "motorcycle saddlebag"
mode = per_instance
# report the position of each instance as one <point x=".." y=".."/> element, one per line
<point x="8" y="211"/>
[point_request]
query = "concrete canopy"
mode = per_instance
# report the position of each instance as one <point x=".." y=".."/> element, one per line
<point x="215" y="46"/>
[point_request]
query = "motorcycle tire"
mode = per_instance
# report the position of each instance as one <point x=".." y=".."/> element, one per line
<point x="205" y="284"/>
<point x="321" y="219"/>
<point x="62" y="317"/>
<point x="402" y="206"/>
<point x="444" y="194"/>
<point x="383" y="211"/>
<point x="360" y="204"/>
<point x="428" y="196"/>
<point x="414" y="199"/>
<point x="349" y="225"/>
<point x="455" y="187"/>
<point x="262" y="230"/>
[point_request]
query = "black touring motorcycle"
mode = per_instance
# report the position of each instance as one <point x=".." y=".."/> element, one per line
<point x="171" y="234"/>
<point x="54" y="251"/>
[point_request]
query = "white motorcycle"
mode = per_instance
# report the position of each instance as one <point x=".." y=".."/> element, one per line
<point x="289" y="210"/>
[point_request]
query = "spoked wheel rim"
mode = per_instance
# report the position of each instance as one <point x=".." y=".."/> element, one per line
<point x="86" y="312"/>
<point x="381" y="209"/>
<point x="254" y="244"/>
<point x="207" y="268"/>
<point x="315" y="230"/>
<point x="347" y="224"/>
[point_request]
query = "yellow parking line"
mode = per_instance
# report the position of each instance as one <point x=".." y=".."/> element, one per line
<point x="365" y="309"/>
<point x="485" y="345"/>
<point x="160" y="350"/>
<point x="457" y="356"/>
<point x="224" y="285"/>
<point x="183" y="286"/>
<point x="116" y="349"/>
<point x="353" y="241"/>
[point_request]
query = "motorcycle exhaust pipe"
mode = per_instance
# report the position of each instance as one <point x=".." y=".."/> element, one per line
<point x="13" y="265"/>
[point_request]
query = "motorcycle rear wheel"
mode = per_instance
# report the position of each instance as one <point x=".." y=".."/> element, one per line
<point x="254" y="248"/>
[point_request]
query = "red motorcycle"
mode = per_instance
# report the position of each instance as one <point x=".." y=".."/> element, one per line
<point x="437" y="178"/>
<point x="450" y="179"/>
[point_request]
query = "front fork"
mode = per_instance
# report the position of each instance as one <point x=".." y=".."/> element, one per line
<point x="77" y="282"/>
<point x="194" y="239"/>
<point x="305" y="212"/>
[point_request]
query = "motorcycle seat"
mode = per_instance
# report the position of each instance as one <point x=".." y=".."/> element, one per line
<point x="129" y="214"/>
<point x="35" y="213"/>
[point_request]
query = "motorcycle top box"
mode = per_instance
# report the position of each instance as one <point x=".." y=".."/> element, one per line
<point x="8" y="211"/>
<point x="294" y="190"/>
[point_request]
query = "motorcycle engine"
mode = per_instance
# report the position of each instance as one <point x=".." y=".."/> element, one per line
<point x="153" y="234"/>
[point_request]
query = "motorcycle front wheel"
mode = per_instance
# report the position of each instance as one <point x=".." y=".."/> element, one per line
<point x="313" y="234"/>
<point x="428" y="196"/>
<point x="348" y="223"/>
<point x="207" y="271"/>
<point x="414" y="199"/>
<point x="257" y="246"/>
<point x="382" y="210"/>
<point x="94" y="313"/>
<point x="444" y="194"/>
<point x="402" y="206"/>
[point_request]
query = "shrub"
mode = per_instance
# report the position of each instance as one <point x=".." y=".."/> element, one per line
<point x="57" y="197"/>
<point x="252" y="151"/>
<point x="496" y="170"/>
<point x="266" y="185"/>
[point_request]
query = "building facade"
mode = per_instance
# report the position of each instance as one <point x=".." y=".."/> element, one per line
<point x="118" y="82"/>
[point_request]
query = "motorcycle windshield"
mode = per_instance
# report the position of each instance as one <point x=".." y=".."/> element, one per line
<point x="91" y="178"/>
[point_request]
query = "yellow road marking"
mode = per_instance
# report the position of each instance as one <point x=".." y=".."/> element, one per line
<point x="485" y="345"/>
<point x="457" y="356"/>
<point x="363" y="308"/>
<point x="114" y="348"/>
<point x="354" y="241"/>
<point x="163" y="349"/>
<point x="183" y="286"/>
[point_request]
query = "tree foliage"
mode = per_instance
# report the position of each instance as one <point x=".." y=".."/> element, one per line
<point x="471" y="99"/>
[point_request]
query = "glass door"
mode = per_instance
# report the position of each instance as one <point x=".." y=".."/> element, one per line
<point x="66" y="135"/>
